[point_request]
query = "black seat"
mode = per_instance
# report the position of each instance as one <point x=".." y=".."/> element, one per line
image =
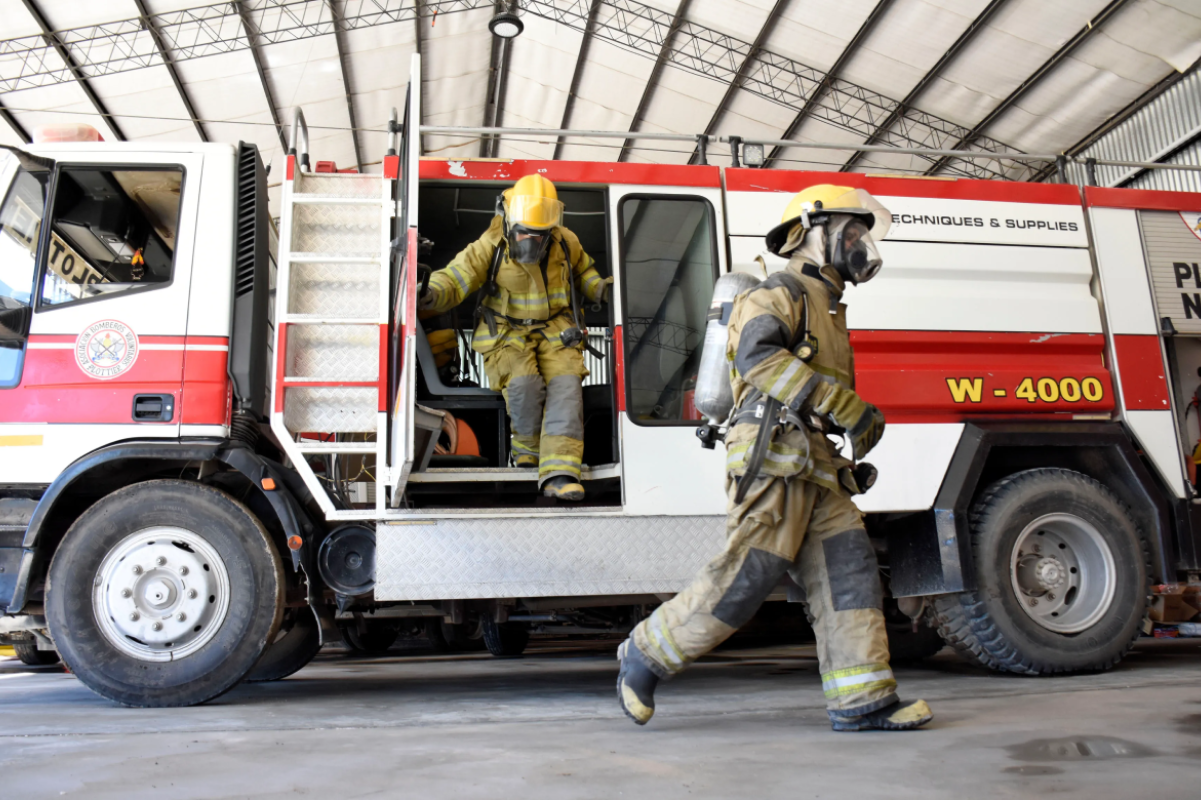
<point x="433" y="381"/>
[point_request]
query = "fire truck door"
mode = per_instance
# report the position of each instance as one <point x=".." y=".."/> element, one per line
<point x="104" y="359"/>
<point x="404" y="293"/>
<point x="671" y="250"/>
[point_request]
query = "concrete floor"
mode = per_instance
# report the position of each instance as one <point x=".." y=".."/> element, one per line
<point x="746" y="723"/>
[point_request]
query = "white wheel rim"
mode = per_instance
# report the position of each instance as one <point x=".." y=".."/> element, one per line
<point x="161" y="594"/>
<point x="1063" y="573"/>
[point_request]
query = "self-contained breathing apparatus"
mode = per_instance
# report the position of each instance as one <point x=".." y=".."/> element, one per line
<point x="715" y="399"/>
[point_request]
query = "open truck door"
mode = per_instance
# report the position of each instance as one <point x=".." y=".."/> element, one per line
<point x="404" y="166"/>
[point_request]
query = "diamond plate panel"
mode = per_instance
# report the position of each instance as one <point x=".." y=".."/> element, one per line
<point x="338" y="185"/>
<point x="346" y="291"/>
<point x="545" y="556"/>
<point x="330" y="409"/>
<point x="349" y="230"/>
<point x="333" y="352"/>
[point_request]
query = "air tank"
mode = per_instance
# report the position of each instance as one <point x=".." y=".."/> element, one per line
<point x="714" y="398"/>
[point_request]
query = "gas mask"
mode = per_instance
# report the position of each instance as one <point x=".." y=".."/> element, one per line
<point x="527" y="246"/>
<point x="850" y="249"/>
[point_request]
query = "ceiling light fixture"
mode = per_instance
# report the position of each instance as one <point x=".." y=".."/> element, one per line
<point x="506" y="25"/>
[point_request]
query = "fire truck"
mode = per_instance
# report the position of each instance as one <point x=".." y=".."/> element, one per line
<point x="225" y="441"/>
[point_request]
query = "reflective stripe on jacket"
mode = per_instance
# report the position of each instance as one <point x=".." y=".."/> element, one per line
<point x="766" y="326"/>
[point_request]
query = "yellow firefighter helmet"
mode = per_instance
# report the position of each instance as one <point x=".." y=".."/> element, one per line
<point x="814" y="205"/>
<point x="533" y="204"/>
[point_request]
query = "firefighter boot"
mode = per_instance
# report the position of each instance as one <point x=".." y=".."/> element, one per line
<point x="896" y="717"/>
<point x="527" y="461"/>
<point x="635" y="683"/>
<point x="563" y="487"/>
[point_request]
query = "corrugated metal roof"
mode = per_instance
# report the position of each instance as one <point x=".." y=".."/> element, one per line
<point x="1094" y="73"/>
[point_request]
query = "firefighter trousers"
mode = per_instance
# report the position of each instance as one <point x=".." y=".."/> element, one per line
<point x="541" y="381"/>
<point x="817" y="536"/>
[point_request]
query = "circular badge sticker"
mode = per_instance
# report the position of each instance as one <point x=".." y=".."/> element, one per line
<point x="106" y="349"/>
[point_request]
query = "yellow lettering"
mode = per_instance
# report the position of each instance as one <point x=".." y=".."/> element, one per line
<point x="964" y="389"/>
<point x="1026" y="391"/>
<point x="1069" y="389"/>
<point x="1048" y="390"/>
<point x="1093" y="389"/>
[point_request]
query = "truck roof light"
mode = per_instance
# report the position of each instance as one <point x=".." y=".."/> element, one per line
<point x="69" y="132"/>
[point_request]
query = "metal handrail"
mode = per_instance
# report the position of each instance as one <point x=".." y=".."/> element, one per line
<point x="551" y="135"/>
<point x="299" y="125"/>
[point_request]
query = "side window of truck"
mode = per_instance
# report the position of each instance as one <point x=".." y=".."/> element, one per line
<point x="20" y="219"/>
<point x="112" y="230"/>
<point x="669" y="265"/>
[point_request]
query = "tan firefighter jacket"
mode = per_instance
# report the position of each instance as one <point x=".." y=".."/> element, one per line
<point x="765" y="330"/>
<point x="525" y="301"/>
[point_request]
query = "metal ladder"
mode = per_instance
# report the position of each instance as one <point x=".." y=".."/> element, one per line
<point x="331" y="312"/>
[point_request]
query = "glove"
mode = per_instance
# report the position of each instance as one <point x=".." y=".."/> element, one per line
<point x="862" y="422"/>
<point x="425" y="298"/>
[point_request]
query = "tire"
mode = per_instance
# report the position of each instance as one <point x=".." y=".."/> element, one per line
<point x="467" y="637"/>
<point x="178" y="548"/>
<point x="296" y="644"/>
<point x="29" y="654"/>
<point x="377" y="639"/>
<point x="505" y="639"/>
<point x="1036" y="533"/>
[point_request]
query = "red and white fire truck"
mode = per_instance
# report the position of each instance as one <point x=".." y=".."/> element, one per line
<point x="219" y="441"/>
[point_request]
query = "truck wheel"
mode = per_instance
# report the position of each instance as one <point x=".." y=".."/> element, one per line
<point x="29" y="654"/>
<point x="505" y="638"/>
<point x="164" y="593"/>
<point x="296" y="644"/>
<point x="1062" y="576"/>
<point x="377" y="638"/>
<point x="467" y="637"/>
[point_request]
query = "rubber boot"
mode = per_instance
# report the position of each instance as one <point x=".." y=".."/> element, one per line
<point x="527" y="461"/>
<point x="896" y="717"/>
<point x="635" y="684"/>
<point x="562" y="487"/>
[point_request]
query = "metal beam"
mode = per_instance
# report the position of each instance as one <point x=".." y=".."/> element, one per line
<point x="171" y="70"/>
<point x="502" y="90"/>
<point x="1132" y="108"/>
<point x="769" y="25"/>
<point x="815" y="97"/>
<point x="252" y="39"/>
<point x="343" y="63"/>
<point x="978" y="24"/>
<point x="585" y="43"/>
<point x="652" y="83"/>
<point x="76" y="72"/>
<point x="17" y="127"/>
<point x="1017" y="94"/>
<point x="419" y="39"/>
<point x="495" y="58"/>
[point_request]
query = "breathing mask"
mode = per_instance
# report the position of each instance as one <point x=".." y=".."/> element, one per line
<point x="850" y="248"/>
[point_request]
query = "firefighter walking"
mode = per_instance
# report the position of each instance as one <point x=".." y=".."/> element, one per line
<point x="790" y="508"/>
<point x="529" y="269"/>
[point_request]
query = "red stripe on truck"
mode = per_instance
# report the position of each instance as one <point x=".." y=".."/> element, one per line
<point x="1140" y="365"/>
<point x="953" y="375"/>
<point x="1148" y="199"/>
<point x="606" y="172"/>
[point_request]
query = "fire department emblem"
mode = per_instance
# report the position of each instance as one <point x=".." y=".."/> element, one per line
<point x="106" y="349"/>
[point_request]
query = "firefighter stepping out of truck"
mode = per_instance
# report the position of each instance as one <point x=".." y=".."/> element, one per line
<point x="790" y="508"/>
<point x="530" y="271"/>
